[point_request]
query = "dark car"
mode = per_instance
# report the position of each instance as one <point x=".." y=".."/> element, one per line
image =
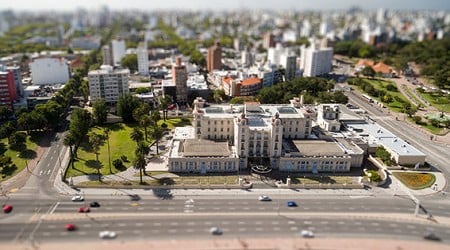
<point x="7" y="208"/>
<point x="94" y="204"/>
<point x="431" y="236"/>
<point x="291" y="204"/>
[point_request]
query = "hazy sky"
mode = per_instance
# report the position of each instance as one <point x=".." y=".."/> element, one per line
<point x="224" y="4"/>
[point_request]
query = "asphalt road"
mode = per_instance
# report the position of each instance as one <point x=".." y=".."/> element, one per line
<point x="44" y="220"/>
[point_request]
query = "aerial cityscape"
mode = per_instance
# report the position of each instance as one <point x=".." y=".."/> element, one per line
<point x="225" y="125"/>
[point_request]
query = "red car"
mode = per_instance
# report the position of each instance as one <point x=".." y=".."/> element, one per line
<point x="70" y="227"/>
<point x="83" y="210"/>
<point x="7" y="208"/>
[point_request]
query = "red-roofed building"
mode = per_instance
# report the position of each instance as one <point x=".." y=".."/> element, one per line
<point x="236" y="87"/>
<point x="384" y="70"/>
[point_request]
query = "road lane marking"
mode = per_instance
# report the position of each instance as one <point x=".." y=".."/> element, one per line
<point x="122" y="225"/>
<point x="276" y="229"/>
<point x="54" y="208"/>
<point x="139" y="224"/>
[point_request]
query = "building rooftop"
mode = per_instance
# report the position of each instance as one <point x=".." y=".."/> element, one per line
<point x="205" y="148"/>
<point x="385" y="137"/>
<point x="318" y="148"/>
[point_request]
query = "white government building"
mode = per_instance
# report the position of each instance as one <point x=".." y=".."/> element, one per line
<point x="230" y="138"/>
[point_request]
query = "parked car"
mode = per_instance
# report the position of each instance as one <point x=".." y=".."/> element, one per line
<point x="291" y="204"/>
<point x="83" y="210"/>
<point x="107" y="234"/>
<point x="70" y="227"/>
<point x="307" y="234"/>
<point x="7" y="208"/>
<point x="78" y="198"/>
<point x="94" y="204"/>
<point x="215" y="231"/>
<point x="264" y="198"/>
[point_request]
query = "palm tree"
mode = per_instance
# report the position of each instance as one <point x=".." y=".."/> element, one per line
<point x="157" y="134"/>
<point x="140" y="163"/>
<point x="141" y="150"/>
<point x="136" y="135"/>
<point x="107" y="131"/>
<point x="144" y="122"/>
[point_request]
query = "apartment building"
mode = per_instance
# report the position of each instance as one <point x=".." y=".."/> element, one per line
<point x="214" y="57"/>
<point x="108" y="84"/>
<point x="180" y="77"/>
<point x="8" y="92"/>
<point x="315" y="61"/>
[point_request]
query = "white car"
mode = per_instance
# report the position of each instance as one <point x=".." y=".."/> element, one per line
<point x="264" y="198"/>
<point x="78" y="198"/>
<point x="307" y="234"/>
<point x="215" y="231"/>
<point x="107" y="234"/>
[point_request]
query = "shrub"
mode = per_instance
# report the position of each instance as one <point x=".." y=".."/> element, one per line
<point x="374" y="176"/>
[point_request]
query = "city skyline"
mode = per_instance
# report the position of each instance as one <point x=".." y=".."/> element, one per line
<point x="56" y="5"/>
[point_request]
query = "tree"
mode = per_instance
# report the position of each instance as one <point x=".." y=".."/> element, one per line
<point x="7" y="129"/>
<point x="155" y="117"/>
<point x="139" y="163"/>
<point x="136" y="135"/>
<point x="5" y="113"/>
<point x="69" y="140"/>
<point x="144" y="122"/>
<point x="130" y="61"/>
<point x="126" y="105"/>
<point x="95" y="141"/>
<point x="107" y="131"/>
<point x="387" y="98"/>
<point x="17" y="140"/>
<point x="141" y="151"/>
<point x="368" y="71"/>
<point x="417" y="119"/>
<point x="141" y="110"/>
<point x="99" y="111"/>
<point x="384" y="155"/>
<point x="157" y="133"/>
<point x="79" y="126"/>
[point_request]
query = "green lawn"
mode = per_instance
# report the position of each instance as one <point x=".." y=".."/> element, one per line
<point x="415" y="181"/>
<point x="441" y="102"/>
<point x="120" y="145"/>
<point x="380" y="84"/>
<point x="19" y="158"/>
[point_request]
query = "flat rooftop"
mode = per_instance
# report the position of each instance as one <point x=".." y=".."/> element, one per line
<point x="318" y="148"/>
<point x="205" y="148"/>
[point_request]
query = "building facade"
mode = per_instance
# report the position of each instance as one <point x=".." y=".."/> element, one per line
<point x="214" y="57"/>
<point x="108" y="84"/>
<point x="8" y="92"/>
<point x="180" y="77"/>
<point x="46" y="71"/>
<point x="118" y="51"/>
<point x="315" y="62"/>
<point x="142" y="58"/>
<point x="107" y="55"/>
<point x="229" y="138"/>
